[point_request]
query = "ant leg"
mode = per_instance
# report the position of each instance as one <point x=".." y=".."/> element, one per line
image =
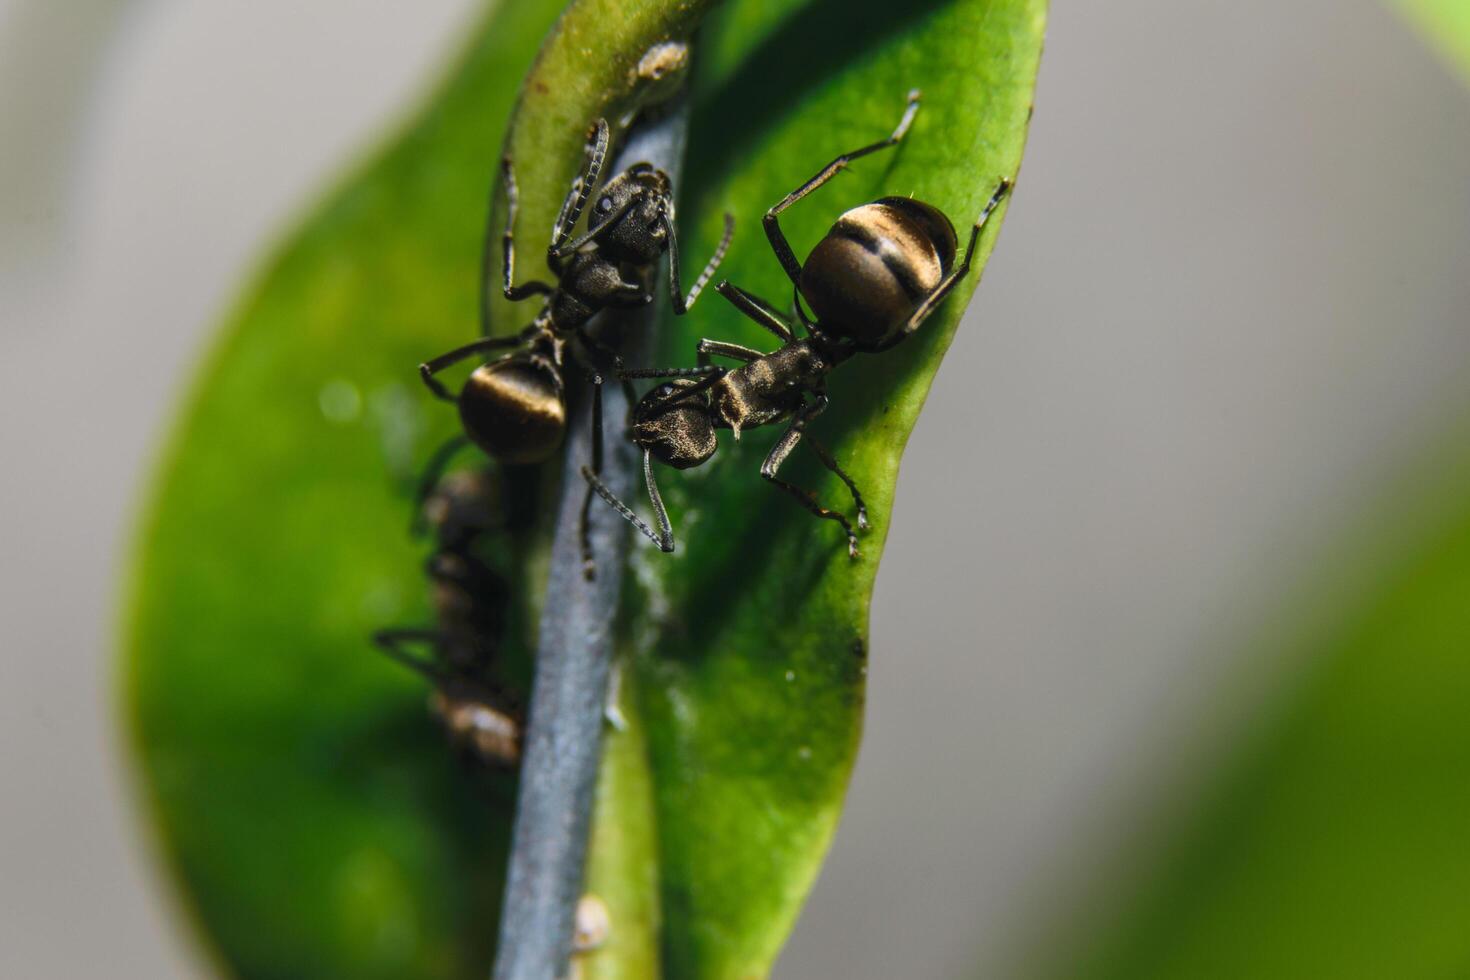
<point x="807" y="323"/>
<point x="757" y="309"/>
<point x="428" y="369"/>
<point x="932" y="301"/>
<point x="666" y="530"/>
<point x="508" y="242"/>
<point x="433" y="473"/>
<point x="779" y="245"/>
<point x="806" y="498"/>
<point x="582" y="184"/>
<point x="720" y="348"/>
<point x="600" y="348"/>
<point x="630" y="397"/>
<point x="708" y="374"/>
<point x="584" y="531"/>
<point x="393" y="642"/>
<point x="706" y="370"/>
<point x="630" y="403"/>
<point x="682" y="303"/>
<point x="830" y="461"/>
<point x="664" y="537"/>
<point x="630" y="295"/>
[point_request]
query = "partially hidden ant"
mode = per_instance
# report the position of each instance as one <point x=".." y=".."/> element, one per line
<point x="514" y="407"/>
<point x="460" y="654"/>
<point x="873" y="280"/>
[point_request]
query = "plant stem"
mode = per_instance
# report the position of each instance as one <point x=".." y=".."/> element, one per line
<point x="574" y="653"/>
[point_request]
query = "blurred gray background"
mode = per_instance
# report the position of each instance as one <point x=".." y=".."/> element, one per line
<point x="1229" y="302"/>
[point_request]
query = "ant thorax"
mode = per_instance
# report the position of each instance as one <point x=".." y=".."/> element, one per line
<point x="592" y="282"/>
<point x="769" y="388"/>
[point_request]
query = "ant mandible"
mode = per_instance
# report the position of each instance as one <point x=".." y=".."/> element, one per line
<point x="514" y="407"/>
<point x="873" y="280"/>
<point x="470" y="601"/>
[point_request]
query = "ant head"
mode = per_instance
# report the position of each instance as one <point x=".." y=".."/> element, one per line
<point x="641" y="233"/>
<point x="677" y="429"/>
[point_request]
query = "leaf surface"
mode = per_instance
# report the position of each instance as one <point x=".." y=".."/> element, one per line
<point x="750" y="642"/>
<point x="316" y="822"/>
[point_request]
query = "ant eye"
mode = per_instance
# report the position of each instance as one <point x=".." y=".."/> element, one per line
<point x="604" y="205"/>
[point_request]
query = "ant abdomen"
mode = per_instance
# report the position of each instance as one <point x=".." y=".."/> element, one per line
<point x="514" y="410"/>
<point x="873" y="269"/>
<point x="487" y="730"/>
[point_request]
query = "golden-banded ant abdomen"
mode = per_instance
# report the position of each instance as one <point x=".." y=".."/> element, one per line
<point x="514" y="410"/>
<point x="873" y="269"/>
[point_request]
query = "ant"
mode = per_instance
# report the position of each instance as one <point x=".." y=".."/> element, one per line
<point x="514" y="407"/>
<point x="470" y="600"/>
<point x="873" y="280"/>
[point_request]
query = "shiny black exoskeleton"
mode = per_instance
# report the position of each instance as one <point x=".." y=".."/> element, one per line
<point x="514" y="407"/>
<point x="873" y="280"/>
<point x="470" y="601"/>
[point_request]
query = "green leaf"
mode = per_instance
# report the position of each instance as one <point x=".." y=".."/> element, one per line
<point x="317" y="824"/>
<point x="1333" y="841"/>
<point x="1447" y="25"/>
<point x="750" y="642"/>
<point x="306" y="801"/>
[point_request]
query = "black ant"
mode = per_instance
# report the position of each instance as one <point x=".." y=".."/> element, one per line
<point x="470" y="602"/>
<point x="879" y="273"/>
<point x="514" y="407"/>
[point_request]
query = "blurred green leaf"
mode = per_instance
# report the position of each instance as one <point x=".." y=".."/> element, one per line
<point x="314" y="817"/>
<point x="1334" y="841"/>
<point x="1447" y="25"/>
